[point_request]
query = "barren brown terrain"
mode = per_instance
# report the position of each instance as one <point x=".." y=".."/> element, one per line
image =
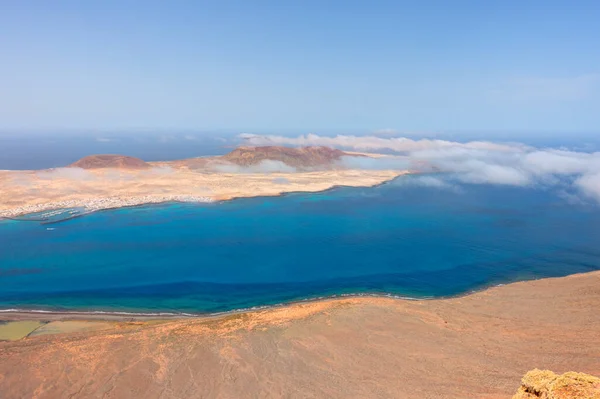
<point x="477" y="346"/>
<point x="110" y="161"/>
<point x="304" y="157"/>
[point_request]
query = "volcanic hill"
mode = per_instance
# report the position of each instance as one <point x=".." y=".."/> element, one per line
<point x="110" y="161"/>
<point x="302" y="157"/>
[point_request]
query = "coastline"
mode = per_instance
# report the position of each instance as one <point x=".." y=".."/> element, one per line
<point x="98" y="204"/>
<point x="478" y="345"/>
<point x="44" y="314"/>
<point x="23" y="314"/>
<point x="182" y="186"/>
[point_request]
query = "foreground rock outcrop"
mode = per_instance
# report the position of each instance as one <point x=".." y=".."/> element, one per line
<point x="545" y="384"/>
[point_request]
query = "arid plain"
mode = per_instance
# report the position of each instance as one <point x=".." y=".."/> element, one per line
<point x="477" y="346"/>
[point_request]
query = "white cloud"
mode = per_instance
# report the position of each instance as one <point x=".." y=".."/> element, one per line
<point x="265" y="166"/>
<point x="590" y="184"/>
<point x="117" y="175"/>
<point x="281" y="180"/>
<point x="65" y="173"/>
<point x="562" y="162"/>
<point x="383" y="163"/>
<point x="372" y="143"/>
<point x="479" y="172"/>
<point x="477" y="162"/>
<point x="428" y="181"/>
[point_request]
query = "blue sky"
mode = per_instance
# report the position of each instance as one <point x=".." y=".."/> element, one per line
<point x="424" y="66"/>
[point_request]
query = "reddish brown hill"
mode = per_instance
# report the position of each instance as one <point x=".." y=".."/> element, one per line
<point x="110" y="161"/>
<point x="302" y="157"/>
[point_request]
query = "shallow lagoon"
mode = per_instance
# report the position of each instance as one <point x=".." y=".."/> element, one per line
<point x="400" y="238"/>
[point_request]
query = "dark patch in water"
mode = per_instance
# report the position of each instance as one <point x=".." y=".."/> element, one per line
<point x="392" y="239"/>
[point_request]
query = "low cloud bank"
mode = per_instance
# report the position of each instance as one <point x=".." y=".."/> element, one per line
<point x="372" y="143"/>
<point x="65" y="173"/>
<point x="428" y="181"/>
<point x="367" y="163"/>
<point x="475" y="162"/>
<point x="281" y="180"/>
<point x="265" y="166"/>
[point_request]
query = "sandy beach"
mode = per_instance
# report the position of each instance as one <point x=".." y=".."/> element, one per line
<point x="475" y="346"/>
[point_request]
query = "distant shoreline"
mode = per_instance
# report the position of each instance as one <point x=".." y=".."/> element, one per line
<point x="98" y="204"/>
<point x="108" y="181"/>
<point x="90" y="205"/>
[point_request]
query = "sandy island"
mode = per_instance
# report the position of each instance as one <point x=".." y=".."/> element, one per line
<point x="109" y="181"/>
<point x="477" y="346"/>
<point x="23" y="192"/>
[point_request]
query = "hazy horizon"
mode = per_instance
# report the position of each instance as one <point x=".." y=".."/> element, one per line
<point x="267" y="66"/>
<point x="505" y="93"/>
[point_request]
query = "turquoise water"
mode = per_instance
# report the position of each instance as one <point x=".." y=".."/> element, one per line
<point x="398" y="238"/>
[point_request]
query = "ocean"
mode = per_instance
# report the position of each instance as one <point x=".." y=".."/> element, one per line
<point x="401" y="238"/>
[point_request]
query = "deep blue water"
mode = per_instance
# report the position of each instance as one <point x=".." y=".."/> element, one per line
<point x="397" y="238"/>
